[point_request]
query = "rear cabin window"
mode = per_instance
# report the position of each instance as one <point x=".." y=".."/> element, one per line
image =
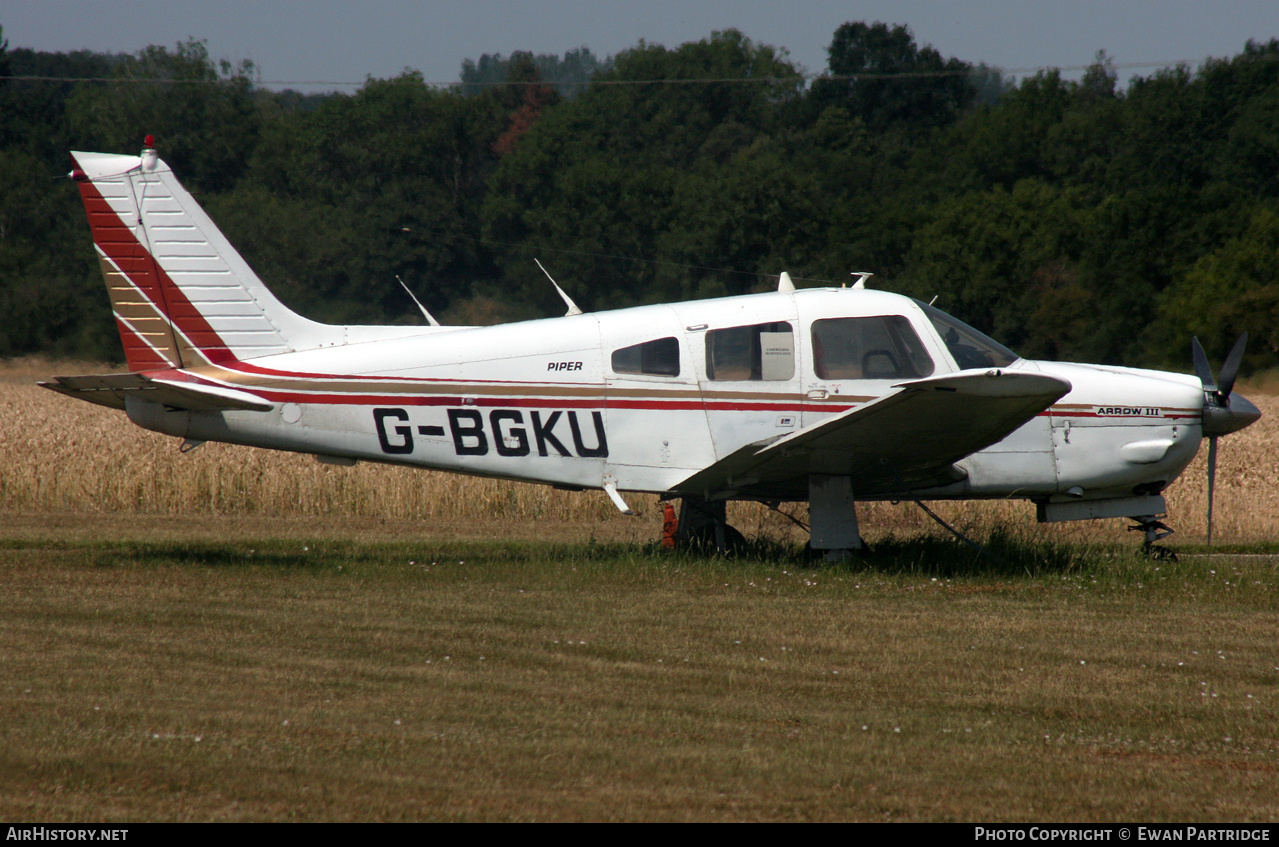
<point x="659" y="357"/>
<point x="884" y="347"/>
<point x="757" y="352"/>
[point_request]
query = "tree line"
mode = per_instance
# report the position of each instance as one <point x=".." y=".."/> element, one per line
<point x="1073" y="219"/>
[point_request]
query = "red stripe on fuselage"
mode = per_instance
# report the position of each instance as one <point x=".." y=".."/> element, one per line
<point x="251" y="368"/>
<point x="695" y="401"/>
<point x="692" y="404"/>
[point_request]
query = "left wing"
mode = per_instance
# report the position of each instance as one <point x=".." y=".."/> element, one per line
<point x="111" y="389"/>
<point x="909" y="438"/>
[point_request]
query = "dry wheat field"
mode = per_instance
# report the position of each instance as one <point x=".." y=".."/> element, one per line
<point x="59" y="456"/>
<point x="237" y="635"/>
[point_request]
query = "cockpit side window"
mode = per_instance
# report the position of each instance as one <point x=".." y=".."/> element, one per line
<point x="758" y="352"/>
<point x="968" y="347"/>
<point x="659" y="357"/>
<point x="883" y="347"/>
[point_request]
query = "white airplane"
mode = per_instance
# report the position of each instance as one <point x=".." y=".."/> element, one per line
<point x="828" y="395"/>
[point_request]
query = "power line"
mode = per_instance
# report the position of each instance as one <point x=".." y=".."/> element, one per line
<point x="535" y="249"/>
<point x="749" y="80"/>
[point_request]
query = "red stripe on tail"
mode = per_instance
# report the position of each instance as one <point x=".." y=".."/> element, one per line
<point x="116" y="239"/>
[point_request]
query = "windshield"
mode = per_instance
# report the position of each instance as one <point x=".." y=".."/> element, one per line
<point x="968" y="347"/>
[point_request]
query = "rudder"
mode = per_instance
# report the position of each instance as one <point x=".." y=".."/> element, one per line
<point x="182" y="296"/>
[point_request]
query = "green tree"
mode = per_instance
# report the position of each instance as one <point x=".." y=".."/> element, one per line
<point x="526" y="96"/>
<point x="1232" y="290"/>
<point x="594" y="185"/>
<point x="990" y="257"/>
<point x="1248" y="158"/>
<point x="734" y="225"/>
<point x="393" y="174"/>
<point x="880" y="75"/>
<point x="569" y="75"/>
<point x="33" y="111"/>
<point x="51" y="294"/>
<point x="997" y="145"/>
<point x="202" y="114"/>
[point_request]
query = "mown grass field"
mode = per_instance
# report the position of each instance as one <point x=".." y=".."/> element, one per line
<point x="295" y="642"/>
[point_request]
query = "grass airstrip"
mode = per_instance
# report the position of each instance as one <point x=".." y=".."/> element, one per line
<point x="234" y="635"/>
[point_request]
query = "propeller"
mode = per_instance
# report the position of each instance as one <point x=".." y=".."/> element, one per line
<point x="1224" y="411"/>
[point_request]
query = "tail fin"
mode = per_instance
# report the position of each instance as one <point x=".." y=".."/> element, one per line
<point x="181" y="294"/>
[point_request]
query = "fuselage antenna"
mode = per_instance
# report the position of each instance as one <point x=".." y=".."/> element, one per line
<point x="432" y="321"/>
<point x="572" y="307"/>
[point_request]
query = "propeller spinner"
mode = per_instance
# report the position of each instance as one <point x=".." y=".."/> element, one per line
<point x="1224" y="411"/>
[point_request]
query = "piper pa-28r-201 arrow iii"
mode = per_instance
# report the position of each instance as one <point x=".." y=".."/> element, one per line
<point x="828" y="395"/>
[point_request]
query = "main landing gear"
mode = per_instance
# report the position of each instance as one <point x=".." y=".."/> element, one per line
<point x="703" y="525"/>
<point x="833" y="514"/>
<point x="703" y="528"/>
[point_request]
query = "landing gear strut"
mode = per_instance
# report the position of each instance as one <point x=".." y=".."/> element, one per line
<point x="833" y="514"/>
<point x="1155" y="530"/>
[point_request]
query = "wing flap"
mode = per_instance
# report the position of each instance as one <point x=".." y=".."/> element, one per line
<point x="908" y="438"/>
<point x="110" y="390"/>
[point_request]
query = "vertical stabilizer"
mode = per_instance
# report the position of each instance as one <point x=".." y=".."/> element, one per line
<point x="182" y="295"/>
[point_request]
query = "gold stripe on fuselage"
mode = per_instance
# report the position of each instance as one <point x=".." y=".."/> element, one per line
<point x="408" y="386"/>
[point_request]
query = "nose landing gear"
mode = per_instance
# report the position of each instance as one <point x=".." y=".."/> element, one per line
<point x="1155" y="530"/>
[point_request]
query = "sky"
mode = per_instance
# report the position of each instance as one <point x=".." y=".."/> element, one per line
<point x="321" y="45"/>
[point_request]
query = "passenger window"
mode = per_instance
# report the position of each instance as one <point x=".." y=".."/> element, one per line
<point x="657" y="358"/>
<point x="758" y="352"/>
<point x="885" y="347"/>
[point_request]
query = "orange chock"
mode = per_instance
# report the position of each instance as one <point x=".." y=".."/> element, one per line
<point x="670" y="526"/>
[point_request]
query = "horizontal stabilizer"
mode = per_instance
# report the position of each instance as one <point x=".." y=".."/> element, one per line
<point x="111" y="389"/>
<point x="907" y="439"/>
